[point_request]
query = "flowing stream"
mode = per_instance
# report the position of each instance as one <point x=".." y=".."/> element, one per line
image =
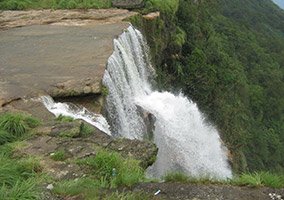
<point x="76" y="112"/>
<point x="186" y="142"/>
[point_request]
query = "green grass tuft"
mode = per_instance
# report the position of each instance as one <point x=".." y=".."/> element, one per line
<point x="26" y="190"/>
<point x="258" y="179"/>
<point x="176" y="177"/>
<point x="58" y="155"/>
<point x="86" y="130"/>
<point x="128" y="196"/>
<point x="13" y="124"/>
<point x="6" y="137"/>
<point x="86" y="187"/>
<point x="62" y="118"/>
<point x="114" y="169"/>
<point x="18" y="178"/>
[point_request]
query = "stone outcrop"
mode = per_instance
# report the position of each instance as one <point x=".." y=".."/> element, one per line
<point x="129" y="4"/>
<point x="58" y="53"/>
<point x="54" y="137"/>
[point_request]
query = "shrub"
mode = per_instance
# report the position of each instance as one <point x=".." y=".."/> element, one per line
<point x="168" y="7"/>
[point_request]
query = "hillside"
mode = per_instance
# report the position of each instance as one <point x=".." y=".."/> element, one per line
<point x="63" y="71"/>
<point x="231" y="63"/>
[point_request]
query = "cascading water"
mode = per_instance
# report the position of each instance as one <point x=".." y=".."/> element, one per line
<point x="185" y="141"/>
<point x="76" y="112"/>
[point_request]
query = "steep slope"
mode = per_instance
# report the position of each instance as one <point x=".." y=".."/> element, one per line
<point x="231" y="64"/>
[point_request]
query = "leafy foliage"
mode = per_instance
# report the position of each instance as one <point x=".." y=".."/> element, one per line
<point x="231" y="64"/>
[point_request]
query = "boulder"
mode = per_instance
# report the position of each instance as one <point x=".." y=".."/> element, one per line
<point x="128" y="4"/>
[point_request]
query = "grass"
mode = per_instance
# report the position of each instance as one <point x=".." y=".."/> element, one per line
<point x="92" y="189"/>
<point x="176" y="177"/>
<point x="86" y="130"/>
<point x="88" y="188"/>
<point x="18" y="177"/>
<point x="258" y="179"/>
<point x="58" y="155"/>
<point x="116" y="170"/>
<point x="128" y="196"/>
<point x="13" y="126"/>
<point x="53" y="4"/>
<point x="62" y="118"/>
<point x="104" y="91"/>
<point x="26" y="190"/>
<point x="6" y="137"/>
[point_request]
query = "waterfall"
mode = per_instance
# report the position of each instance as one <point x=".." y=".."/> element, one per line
<point x="76" y="112"/>
<point x="186" y="142"/>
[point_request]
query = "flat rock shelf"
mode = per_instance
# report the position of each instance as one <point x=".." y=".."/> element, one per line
<point x="63" y="54"/>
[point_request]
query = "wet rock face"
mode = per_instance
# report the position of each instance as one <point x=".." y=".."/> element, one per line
<point x="129" y="4"/>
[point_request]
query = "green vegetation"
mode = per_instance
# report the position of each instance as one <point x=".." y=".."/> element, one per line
<point x="107" y="170"/>
<point x="260" y="179"/>
<point x="128" y="196"/>
<point x="15" y="126"/>
<point x="256" y="179"/>
<point x="86" y="130"/>
<point x="62" y="118"/>
<point x="176" y="177"/>
<point x="53" y="4"/>
<point x="93" y="189"/>
<point x="104" y="91"/>
<point x="230" y="61"/>
<point x="168" y="7"/>
<point x="114" y="169"/>
<point x="19" y="178"/>
<point x="87" y="187"/>
<point x="58" y="155"/>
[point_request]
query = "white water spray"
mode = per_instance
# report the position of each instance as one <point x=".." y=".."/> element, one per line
<point x="185" y="141"/>
<point x="76" y="112"/>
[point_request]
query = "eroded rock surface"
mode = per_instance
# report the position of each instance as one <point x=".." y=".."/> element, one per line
<point x="59" y="53"/>
<point x="50" y="140"/>
<point x="179" y="191"/>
